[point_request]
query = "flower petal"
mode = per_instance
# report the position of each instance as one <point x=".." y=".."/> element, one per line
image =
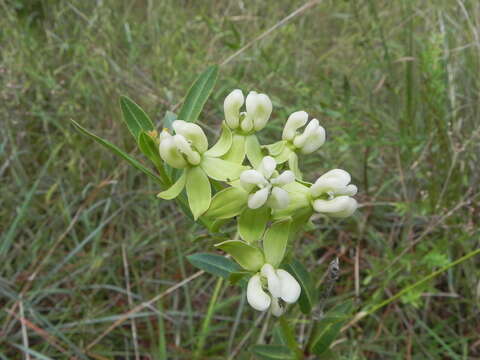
<point x="277" y="310"/>
<point x="267" y="166"/>
<point x="274" y="286"/>
<point x="169" y="152"/>
<point x="278" y="199"/>
<point x="284" y="178"/>
<point x="258" y="198"/>
<point x="290" y="289"/>
<point x="256" y="297"/>
<point x="341" y="206"/>
<point x="295" y="120"/>
<point x="231" y="107"/>
<point x="193" y="133"/>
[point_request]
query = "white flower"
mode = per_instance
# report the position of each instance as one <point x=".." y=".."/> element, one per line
<point x="312" y="137"/>
<point x="185" y="147"/>
<point x="268" y="184"/>
<point x="279" y="284"/>
<point x="332" y="194"/>
<point x="258" y="106"/>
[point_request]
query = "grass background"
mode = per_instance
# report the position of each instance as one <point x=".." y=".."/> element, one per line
<point x="396" y="85"/>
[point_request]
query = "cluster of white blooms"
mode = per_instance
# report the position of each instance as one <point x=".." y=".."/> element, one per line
<point x="280" y="285"/>
<point x="185" y="147"/>
<point x="258" y="106"/>
<point x="268" y="184"/>
<point x="271" y="182"/>
<point x="313" y="135"/>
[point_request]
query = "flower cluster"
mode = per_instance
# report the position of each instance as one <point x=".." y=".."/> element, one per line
<point x="261" y="187"/>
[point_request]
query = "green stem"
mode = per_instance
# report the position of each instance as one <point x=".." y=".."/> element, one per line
<point x="206" y="322"/>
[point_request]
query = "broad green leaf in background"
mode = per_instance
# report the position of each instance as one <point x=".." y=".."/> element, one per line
<point x="327" y="329"/>
<point x="253" y="150"/>
<point x="249" y="257"/>
<point x="119" y="152"/>
<point x="223" y="144"/>
<point x="221" y="170"/>
<point x="173" y="191"/>
<point x="252" y="223"/>
<point x="273" y="352"/>
<point x="199" y="192"/>
<point x="214" y="264"/>
<point x="135" y="118"/>
<point x="227" y="203"/>
<point x="275" y="242"/>
<point x="198" y="94"/>
<point x="308" y="295"/>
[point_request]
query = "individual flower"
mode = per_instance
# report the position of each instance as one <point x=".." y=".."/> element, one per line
<point x="185" y="147"/>
<point x="188" y="150"/>
<point x="241" y="126"/>
<point x="258" y="110"/>
<point x="332" y="194"/>
<point x="310" y="140"/>
<point x="265" y="185"/>
<point x="267" y="287"/>
<point x="294" y="142"/>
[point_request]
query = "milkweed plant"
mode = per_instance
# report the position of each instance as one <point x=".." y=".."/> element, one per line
<point x="258" y="188"/>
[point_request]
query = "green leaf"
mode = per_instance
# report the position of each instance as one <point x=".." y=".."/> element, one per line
<point x="308" y="294"/>
<point x="275" y="149"/>
<point x="227" y="203"/>
<point x="284" y="155"/>
<point x="198" y="94"/>
<point x="253" y="150"/>
<point x="275" y="242"/>
<point x="273" y="352"/>
<point x="149" y="147"/>
<point x="223" y="144"/>
<point x="249" y="257"/>
<point x="199" y="192"/>
<point x="293" y="165"/>
<point x="135" y="118"/>
<point x="173" y="191"/>
<point x="252" y="223"/>
<point x="236" y="153"/>
<point x="221" y="170"/>
<point x="119" y="152"/>
<point x="214" y="264"/>
<point x="327" y="329"/>
<point x="237" y="276"/>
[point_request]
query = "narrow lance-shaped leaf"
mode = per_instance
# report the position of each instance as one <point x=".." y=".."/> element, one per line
<point x="327" y="329"/>
<point x="273" y="352"/>
<point x="198" y="94"/>
<point x="249" y="257"/>
<point x="173" y="191"/>
<point x="135" y="118"/>
<point x="221" y="170"/>
<point x="253" y="150"/>
<point x="308" y="294"/>
<point x="223" y="144"/>
<point x="119" y="152"/>
<point x="199" y="192"/>
<point x="275" y="242"/>
<point x="252" y="223"/>
<point x="227" y="203"/>
<point x="214" y="264"/>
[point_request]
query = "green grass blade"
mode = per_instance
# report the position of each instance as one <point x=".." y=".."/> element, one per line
<point x="12" y="230"/>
